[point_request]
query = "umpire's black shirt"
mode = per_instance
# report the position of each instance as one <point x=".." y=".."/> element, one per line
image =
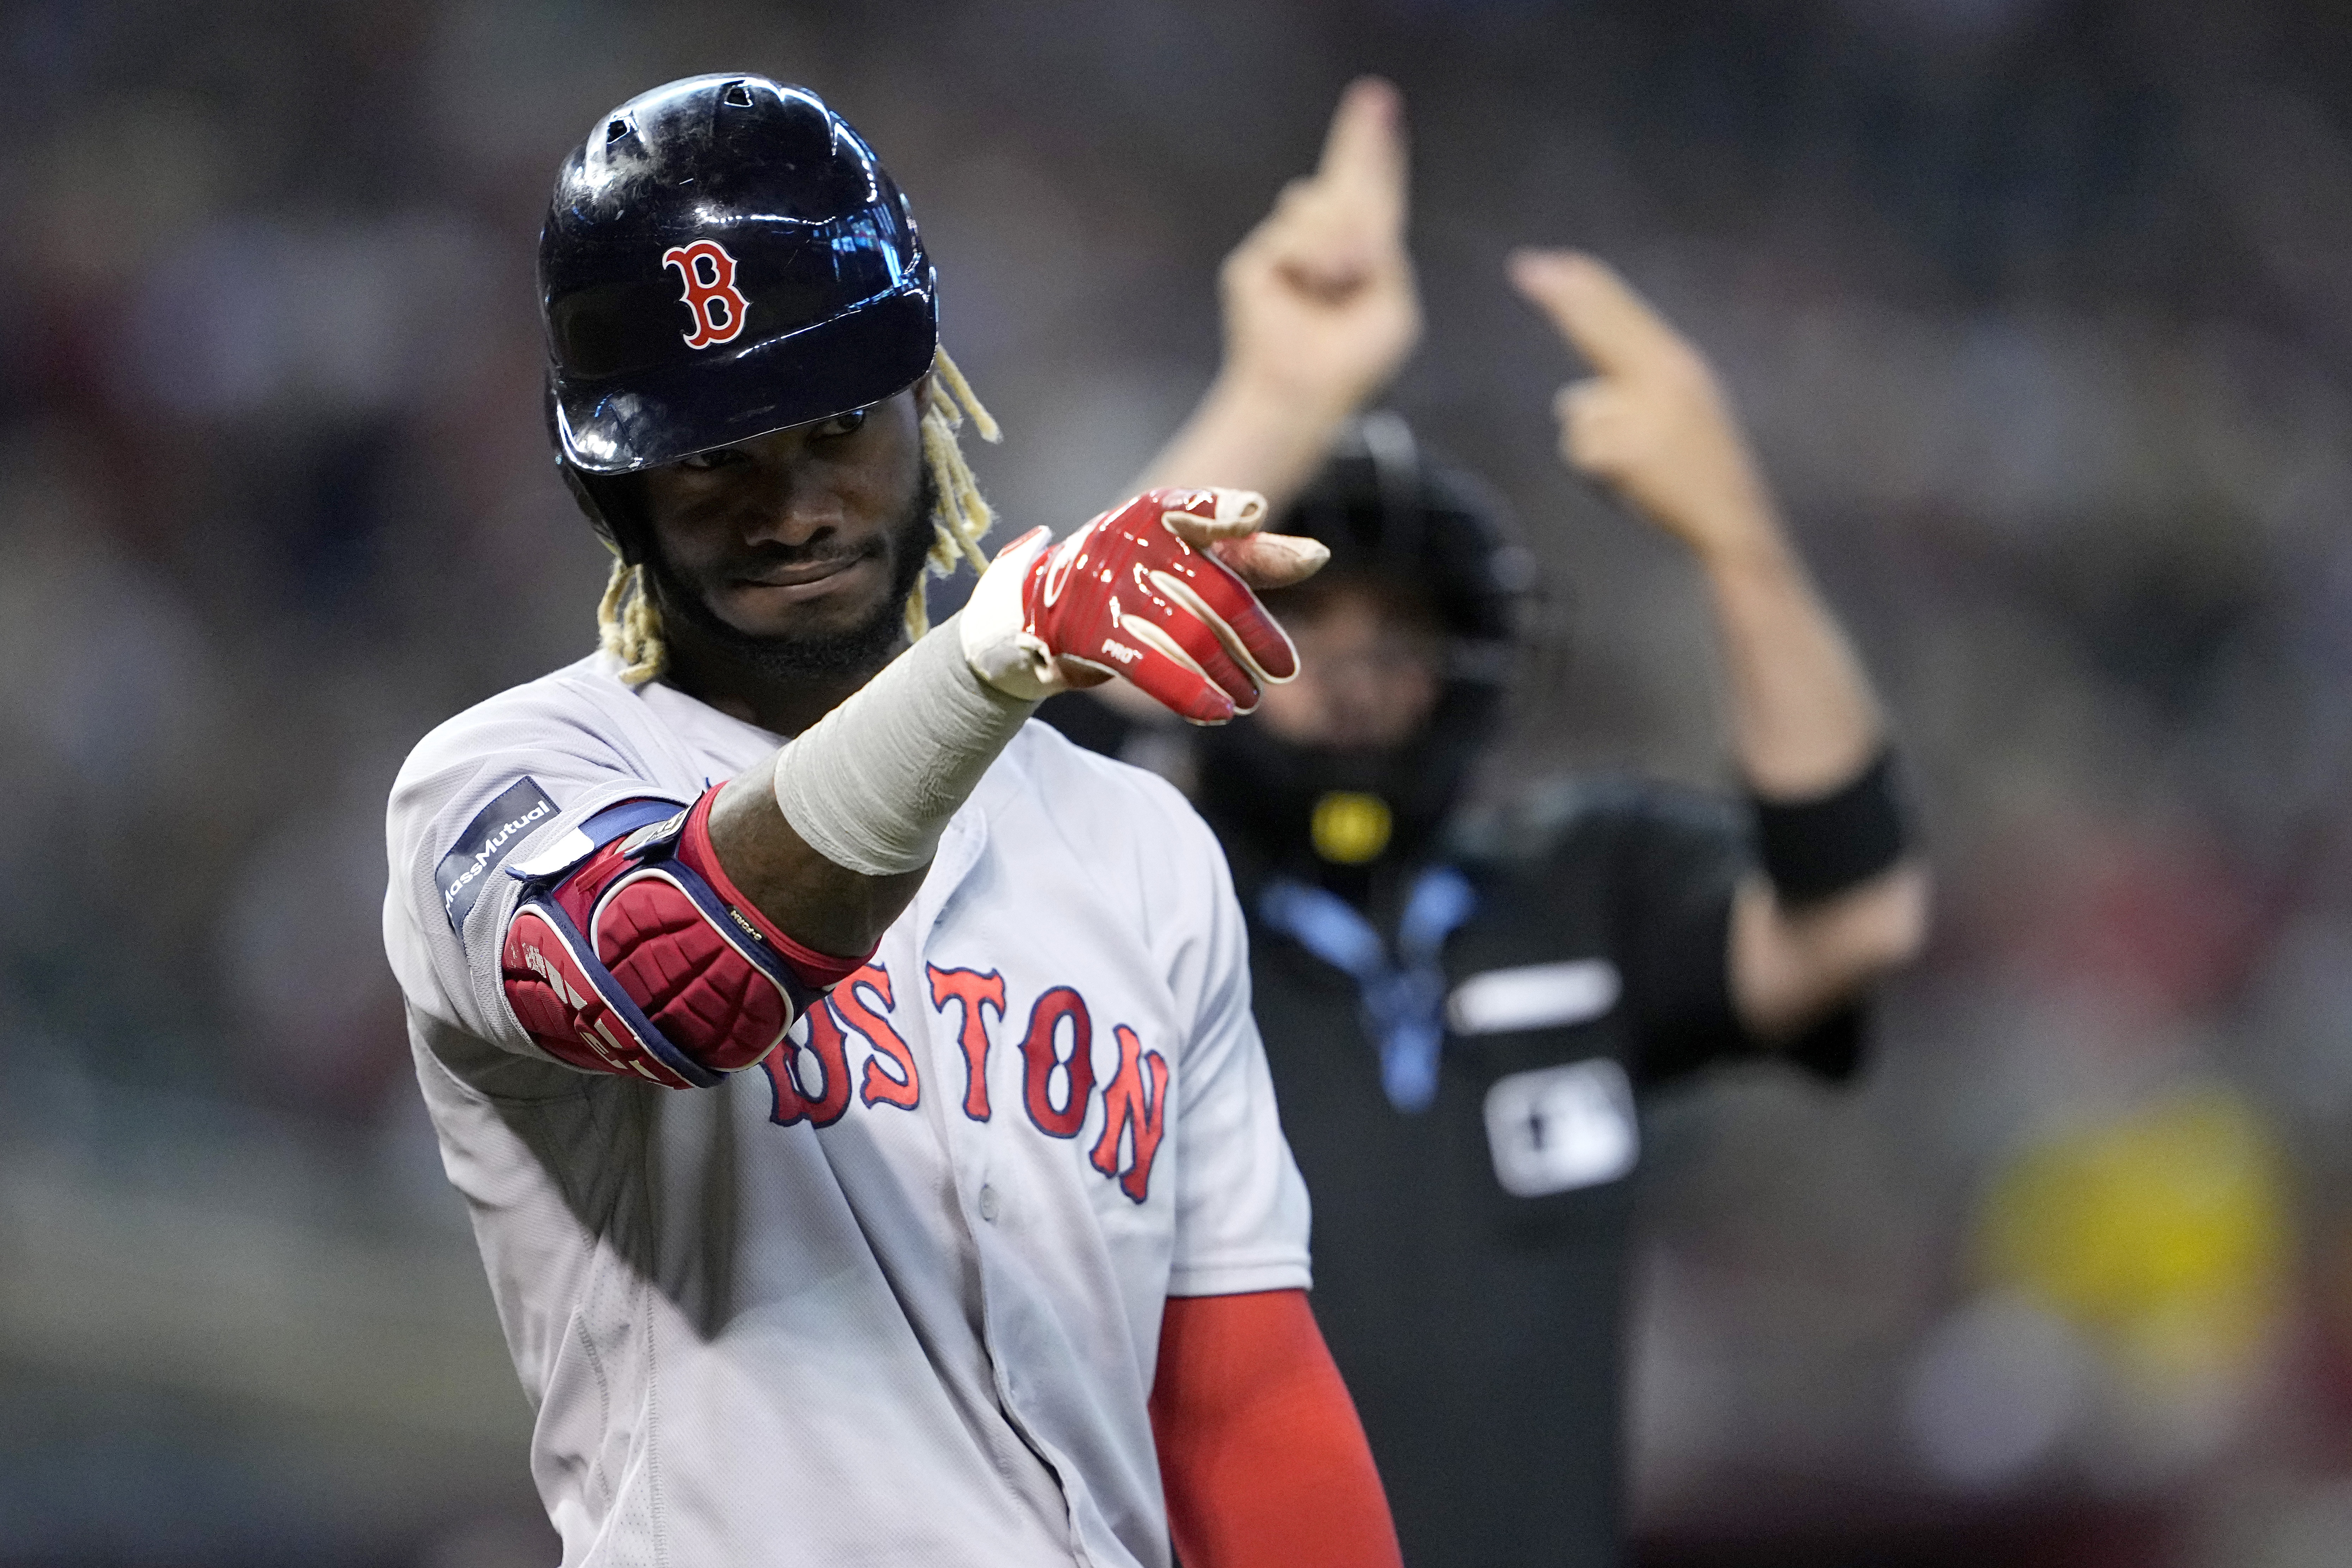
<point x="1470" y="1258"/>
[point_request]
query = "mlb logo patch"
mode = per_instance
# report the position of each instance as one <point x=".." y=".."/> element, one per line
<point x="1557" y="1129"/>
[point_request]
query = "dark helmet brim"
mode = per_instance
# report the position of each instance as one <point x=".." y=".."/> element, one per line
<point x="852" y="361"/>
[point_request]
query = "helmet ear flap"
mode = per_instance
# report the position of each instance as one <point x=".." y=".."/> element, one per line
<point x="610" y="511"/>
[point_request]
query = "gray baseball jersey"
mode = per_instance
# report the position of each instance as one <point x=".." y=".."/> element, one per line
<point x="894" y="1294"/>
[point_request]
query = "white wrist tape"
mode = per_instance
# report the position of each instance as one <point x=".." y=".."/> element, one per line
<point x="996" y="641"/>
<point x="871" y="785"/>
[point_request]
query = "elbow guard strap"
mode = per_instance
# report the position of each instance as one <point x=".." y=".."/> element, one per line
<point x="632" y="951"/>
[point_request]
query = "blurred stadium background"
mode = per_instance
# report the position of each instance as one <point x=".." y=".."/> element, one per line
<point x="2042" y="311"/>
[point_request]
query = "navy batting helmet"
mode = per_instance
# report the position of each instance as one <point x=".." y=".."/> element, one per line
<point x="723" y="257"/>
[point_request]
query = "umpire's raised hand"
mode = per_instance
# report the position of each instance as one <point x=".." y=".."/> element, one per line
<point x="1319" y="301"/>
<point x="1839" y="899"/>
<point x="1320" y="311"/>
<point x="1651" y="423"/>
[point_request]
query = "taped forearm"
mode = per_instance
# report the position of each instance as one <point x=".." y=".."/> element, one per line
<point x="871" y="785"/>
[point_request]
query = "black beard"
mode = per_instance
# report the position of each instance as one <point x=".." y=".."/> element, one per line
<point x="862" y="648"/>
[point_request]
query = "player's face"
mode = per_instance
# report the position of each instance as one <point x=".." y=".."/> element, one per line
<point x="1368" y="678"/>
<point x="796" y="545"/>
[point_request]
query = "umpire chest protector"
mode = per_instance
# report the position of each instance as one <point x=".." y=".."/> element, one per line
<point x="1470" y="1254"/>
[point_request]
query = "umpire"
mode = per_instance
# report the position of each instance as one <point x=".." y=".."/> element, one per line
<point x="1460" y="1038"/>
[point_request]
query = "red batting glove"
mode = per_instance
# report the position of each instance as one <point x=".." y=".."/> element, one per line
<point x="1127" y="595"/>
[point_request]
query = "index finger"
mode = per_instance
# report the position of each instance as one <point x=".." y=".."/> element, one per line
<point x="1595" y="309"/>
<point x="1364" y="150"/>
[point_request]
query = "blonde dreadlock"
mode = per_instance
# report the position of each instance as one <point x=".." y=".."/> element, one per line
<point x="628" y="625"/>
<point x="961" y="518"/>
<point x="630" y="628"/>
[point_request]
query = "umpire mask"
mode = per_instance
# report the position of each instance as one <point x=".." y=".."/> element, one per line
<point x="1428" y="545"/>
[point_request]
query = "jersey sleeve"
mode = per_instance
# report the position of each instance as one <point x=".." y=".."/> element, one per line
<point x="1678" y="856"/>
<point x="499" y="786"/>
<point x="1242" y="1212"/>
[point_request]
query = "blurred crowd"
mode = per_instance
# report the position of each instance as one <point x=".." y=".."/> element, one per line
<point x="2040" y="312"/>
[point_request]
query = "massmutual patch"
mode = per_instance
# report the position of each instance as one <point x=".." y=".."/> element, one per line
<point x="490" y="838"/>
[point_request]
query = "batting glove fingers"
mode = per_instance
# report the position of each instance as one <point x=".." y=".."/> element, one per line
<point x="1134" y="593"/>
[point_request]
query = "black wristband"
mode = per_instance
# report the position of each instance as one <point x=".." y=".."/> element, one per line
<point x="1815" y="849"/>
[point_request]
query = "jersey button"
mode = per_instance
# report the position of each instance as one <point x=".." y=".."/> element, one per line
<point x="988" y="1204"/>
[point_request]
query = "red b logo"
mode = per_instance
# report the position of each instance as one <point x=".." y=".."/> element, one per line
<point x="708" y="273"/>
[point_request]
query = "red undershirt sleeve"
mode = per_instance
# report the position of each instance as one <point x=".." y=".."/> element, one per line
<point x="1261" y="1454"/>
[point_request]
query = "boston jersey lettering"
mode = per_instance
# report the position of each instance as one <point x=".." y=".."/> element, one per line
<point x="809" y="1074"/>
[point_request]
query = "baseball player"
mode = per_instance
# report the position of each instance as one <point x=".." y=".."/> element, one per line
<point x="1461" y="1028"/>
<point x="854" y="1087"/>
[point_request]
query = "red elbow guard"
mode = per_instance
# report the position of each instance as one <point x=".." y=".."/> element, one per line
<point x="639" y="955"/>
